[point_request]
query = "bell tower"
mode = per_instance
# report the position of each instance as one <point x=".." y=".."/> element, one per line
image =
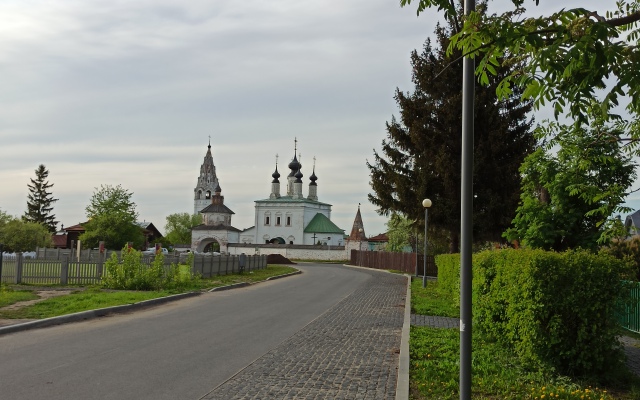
<point x="207" y="183"/>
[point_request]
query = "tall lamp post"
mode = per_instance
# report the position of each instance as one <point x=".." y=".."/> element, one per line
<point x="426" y="203"/>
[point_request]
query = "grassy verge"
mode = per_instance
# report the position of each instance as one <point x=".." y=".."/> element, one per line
<point x="9" y="296"/>
<point x="95" y="297"/>
<point x="431" y="301"/>
<point x="496" y="371"/>
<point x="84" y="300"/>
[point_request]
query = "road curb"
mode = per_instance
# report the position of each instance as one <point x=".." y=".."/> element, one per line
<point x="229" y="287"/>
<point x="271" y="278"/>
<point x="402" y="387"/>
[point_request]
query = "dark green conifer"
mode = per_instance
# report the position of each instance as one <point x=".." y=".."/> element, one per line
<point x="421" y="155"/>
<point x="40" y="200"/>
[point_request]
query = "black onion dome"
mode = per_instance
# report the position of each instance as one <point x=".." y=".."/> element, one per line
<point x="298" y="176"/>
<point x="294" y="165"/>
<point x="275" y="176"/>
<point x="313" y="178"/>
<point x="217" y="189"/>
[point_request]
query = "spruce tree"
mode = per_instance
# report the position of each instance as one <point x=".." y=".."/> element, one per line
<point x="422" y="152"/>
<point x="40" y="200"/>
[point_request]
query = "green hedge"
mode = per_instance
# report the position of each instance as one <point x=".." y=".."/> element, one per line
<point x="552" y="308"/>
<point x="449" y="274"/>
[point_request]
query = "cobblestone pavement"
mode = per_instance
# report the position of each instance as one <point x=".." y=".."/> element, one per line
<point x="632" y="351"/>
<point x="434" y="322"/>
<point x="350" y="352"/>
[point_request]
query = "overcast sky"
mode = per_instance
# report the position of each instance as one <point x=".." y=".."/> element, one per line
<point x="128" y="92"/>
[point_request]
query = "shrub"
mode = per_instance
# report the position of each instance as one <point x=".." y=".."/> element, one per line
<point x="449" y="274"/>
<point x="132" y="274"/>
<point x="629" y="252"/>
<point x="553" y="308"/>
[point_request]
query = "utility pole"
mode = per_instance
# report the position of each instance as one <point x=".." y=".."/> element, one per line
<point x="466" y="215"/>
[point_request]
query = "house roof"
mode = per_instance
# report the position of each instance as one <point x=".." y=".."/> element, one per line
<point x="59" y="240"/>
<point x="321" y="224"/>
<point x="76" y="228"/>
<point x="379" y="238"/>
<point x="150" y="227"/>
<point x="633" y="220"/>
<point x="216" y="208"/>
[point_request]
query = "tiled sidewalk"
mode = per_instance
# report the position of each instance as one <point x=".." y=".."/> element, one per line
<point x="350" y="352"/>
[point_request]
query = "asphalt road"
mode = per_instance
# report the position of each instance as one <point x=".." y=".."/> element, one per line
<point x="179" y="350"/>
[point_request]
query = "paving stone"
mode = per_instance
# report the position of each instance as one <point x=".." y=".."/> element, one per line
<point x="434" y="322"/>
<point x="350" y="352"/>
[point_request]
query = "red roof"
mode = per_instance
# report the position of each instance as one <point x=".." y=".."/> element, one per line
<point x="75" y="228"/>
<point x="59" y="240"/>
<point x="379" y="238"/>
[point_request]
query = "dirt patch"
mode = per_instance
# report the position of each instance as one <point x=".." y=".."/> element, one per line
<point x="42" y="294"/>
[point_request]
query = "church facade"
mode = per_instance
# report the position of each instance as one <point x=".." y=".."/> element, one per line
<point x="286" y="216"/>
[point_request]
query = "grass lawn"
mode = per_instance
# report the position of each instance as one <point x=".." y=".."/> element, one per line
<point x="95" y="297"/>
<point x="496" y="371"/>
<point x="9" y="296"/>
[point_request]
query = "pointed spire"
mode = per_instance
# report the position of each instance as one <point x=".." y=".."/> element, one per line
<point x="357" y="231"/>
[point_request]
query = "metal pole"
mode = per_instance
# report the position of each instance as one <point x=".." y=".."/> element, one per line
<point x="466" y="218"/>
<point x="424" y="272"/>
<point x="416" y="242"/>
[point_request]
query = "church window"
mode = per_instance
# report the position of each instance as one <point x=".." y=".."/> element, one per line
<point x="199" y="194"/>
<point x="267" y="220"/>
<point x="277" y="221"/>
<point x="288" y="220"/>
<point x="208" y="194"/>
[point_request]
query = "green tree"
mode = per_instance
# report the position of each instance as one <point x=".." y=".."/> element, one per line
<point x="421" y="154"/>
<point x="567" y="58"/>
<point x="401" y="233"/>
<point x="40" y="200"/>
<point x="112" y="216"/>
<point x="569" y="198"/>
<point x="178" y="227"/>
<point x="4" y="218"/>
<point x="18" y="235"/>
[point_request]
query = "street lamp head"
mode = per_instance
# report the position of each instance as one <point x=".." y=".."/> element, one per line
<point x="426" y="203"/>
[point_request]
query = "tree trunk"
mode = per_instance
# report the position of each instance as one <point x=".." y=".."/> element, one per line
<point x="454" y="242"/>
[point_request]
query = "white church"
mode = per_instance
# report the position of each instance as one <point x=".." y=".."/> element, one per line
<point x="287" y="218"/>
